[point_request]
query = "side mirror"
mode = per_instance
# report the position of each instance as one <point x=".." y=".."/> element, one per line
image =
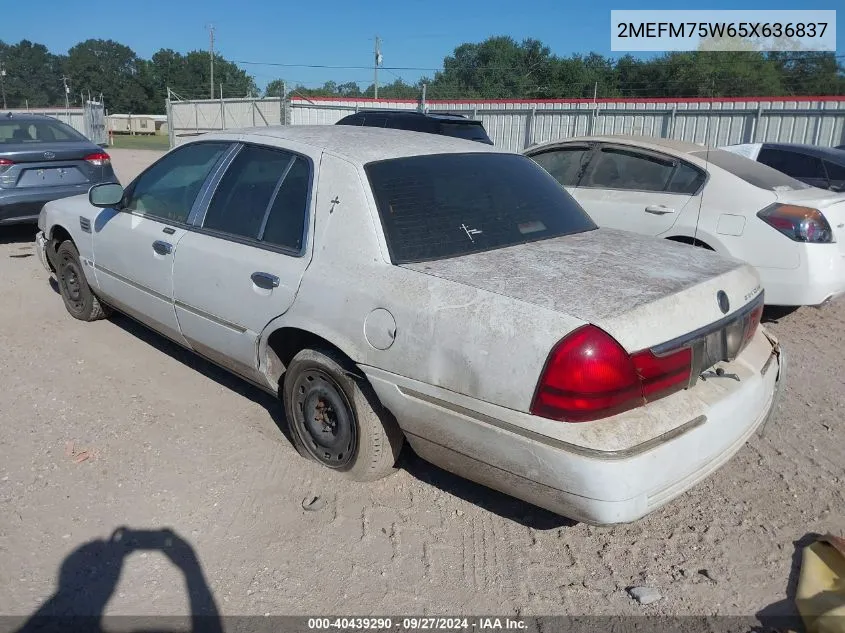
<point x="105" y="196"/>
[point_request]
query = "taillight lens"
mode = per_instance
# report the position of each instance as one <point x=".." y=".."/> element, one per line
<point x="99" y="159"/>
<point x="800" y="224"/>
<point x="5" y="165"/>
<point x="752" y="322"/>
<point x="589" y="376"/>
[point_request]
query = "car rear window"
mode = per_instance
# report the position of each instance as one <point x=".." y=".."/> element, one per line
<point x="37" y="131"/>
<point x="750" y="171"/>
<point x="447" y="205"/>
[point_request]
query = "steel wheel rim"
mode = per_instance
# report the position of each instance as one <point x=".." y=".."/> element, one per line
<point x="324" y="418"/>
<point x="70" y="278"/>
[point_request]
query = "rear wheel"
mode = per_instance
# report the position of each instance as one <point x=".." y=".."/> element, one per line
<point x="79" y="300"/>
<point x="336" y="420"/>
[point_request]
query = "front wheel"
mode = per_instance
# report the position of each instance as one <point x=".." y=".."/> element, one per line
<point x="79" y="300"/>
<point x="336" y="420"/>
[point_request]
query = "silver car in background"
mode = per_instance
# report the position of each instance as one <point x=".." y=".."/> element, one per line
<point x="42" y="159"/>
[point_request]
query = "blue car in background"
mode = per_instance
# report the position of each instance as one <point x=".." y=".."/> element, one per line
<point x="42" y="159"/>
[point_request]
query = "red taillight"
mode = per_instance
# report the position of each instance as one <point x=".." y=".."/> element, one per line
<point x="800" y="224"/>
<point x="662" y="375"/>
<point x="5" y="162"/>
<point x="99" y="159"/>
<point x="752" y="323"/>
<point x="589" y="376"/>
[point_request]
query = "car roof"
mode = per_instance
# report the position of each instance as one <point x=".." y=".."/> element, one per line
<point x="828" y="153"/>
<point x="460" y="118"/>
<point x="25" y="116"/>
<point x="358" y="144"/>
<point x="668" y="145"/>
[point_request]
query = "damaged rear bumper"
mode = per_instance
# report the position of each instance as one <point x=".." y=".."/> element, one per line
<point x="593" y="486"/>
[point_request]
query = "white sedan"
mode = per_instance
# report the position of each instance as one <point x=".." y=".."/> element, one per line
<point x="391" y="286"/>
<point x="792" y="233"/>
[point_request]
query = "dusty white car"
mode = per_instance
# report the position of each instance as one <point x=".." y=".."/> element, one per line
<point x="391" y="285"/>
<point x="792" y="233"/>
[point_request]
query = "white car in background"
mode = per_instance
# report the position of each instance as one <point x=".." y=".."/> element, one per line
<point x="792" y="233"/>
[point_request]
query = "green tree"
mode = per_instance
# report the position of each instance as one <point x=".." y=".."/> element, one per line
<point x="275" y="88"/>
<point x="33" y="75"/>
<point x="111" y="69"/>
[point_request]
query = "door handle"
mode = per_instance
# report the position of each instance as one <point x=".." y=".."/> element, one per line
<point x="169" y="230"/>
<point x="659" y="209"/>
<point x="265" y="280"/>
<point x="162" y="248"/>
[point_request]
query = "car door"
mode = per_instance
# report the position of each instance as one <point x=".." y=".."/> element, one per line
<point x="241" y="264"/>
<point x="637" y="190"/>
<point x="134" y="245"/>
<point x="803" y="167"/>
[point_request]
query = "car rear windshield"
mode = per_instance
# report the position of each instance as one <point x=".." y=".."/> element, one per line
<point x="37" y="131"/>
<point x="447" y="205"/>
<point x="750" y="171"/>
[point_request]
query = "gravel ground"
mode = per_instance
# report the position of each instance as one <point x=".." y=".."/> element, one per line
<point x="173" y="442"/>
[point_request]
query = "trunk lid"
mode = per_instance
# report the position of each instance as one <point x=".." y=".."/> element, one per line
<point x="641" y="290"/>
<point x="48" y="165"/>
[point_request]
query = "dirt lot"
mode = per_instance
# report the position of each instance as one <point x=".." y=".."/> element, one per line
<point x="174" y="442"/>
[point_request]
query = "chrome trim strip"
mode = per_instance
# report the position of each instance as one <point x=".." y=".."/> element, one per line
<point x="686" y="339"/>
<point x="197" y="215"/>
<point x="134" y="284"/>
<point x="273" y="197"/>
<point x="556" y="443"/>
<point x="205" y="315"/>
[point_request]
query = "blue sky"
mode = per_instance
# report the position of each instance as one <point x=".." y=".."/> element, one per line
<point x="414" y="33"/>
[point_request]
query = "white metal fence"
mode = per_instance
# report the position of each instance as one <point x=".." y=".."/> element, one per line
<point x="186" y="119"/>
<point x="515" y="125"/>
<point x="89" y="120"/>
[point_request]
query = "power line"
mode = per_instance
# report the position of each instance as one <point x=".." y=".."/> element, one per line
<point x="611" y="62"/>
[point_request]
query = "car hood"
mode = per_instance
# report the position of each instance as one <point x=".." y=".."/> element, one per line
<point x="642" y="290"/>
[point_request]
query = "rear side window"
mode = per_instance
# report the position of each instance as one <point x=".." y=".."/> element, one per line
<point x="469" y="131"/>
<point x="447" y="205"/>
<point x="686" y="180"/>
<point x="792" y="163"/>
<point x="245" y="191"/>
<point x="564" y="164"/>
<point x="285" y="225"/>
<point x="836" y="175"/>
<point x="750" y="171"/>
<point x="624" y="169"/>
<point x="375" y="119"/>
<point x="352" y="119"/>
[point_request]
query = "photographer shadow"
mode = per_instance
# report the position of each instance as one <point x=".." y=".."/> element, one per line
<point x="89" y="576"/>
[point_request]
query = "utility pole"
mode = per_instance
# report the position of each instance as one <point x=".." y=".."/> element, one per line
<point x="67" y="92"/>
<point x="211" y="54"/>
<point x="3" y="82"/>
<point x="376" y="65"/>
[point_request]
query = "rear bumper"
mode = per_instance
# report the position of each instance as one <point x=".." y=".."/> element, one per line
<point x="819" y="278"/>
<point x="588" y="486"/>
<point x="24" y="205"/>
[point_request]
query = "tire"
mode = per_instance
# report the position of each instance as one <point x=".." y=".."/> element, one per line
<point x="336" y="420"/>
<point x="79" y="300"/>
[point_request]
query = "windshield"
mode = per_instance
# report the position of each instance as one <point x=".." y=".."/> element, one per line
<point x="446" y="205"/>
<point x="750" y="171"/>
<point x="37" y="131"/>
